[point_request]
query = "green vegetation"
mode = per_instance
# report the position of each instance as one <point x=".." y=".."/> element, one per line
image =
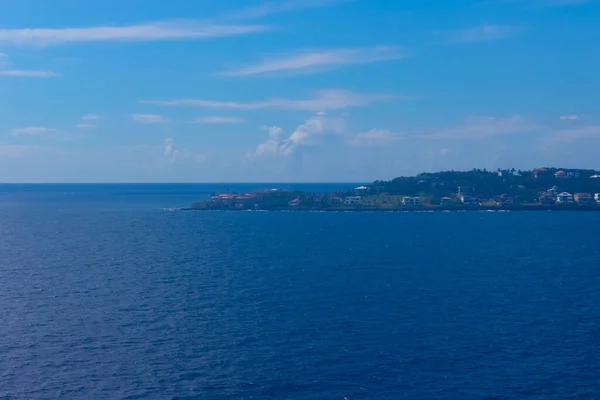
<point x="449" y="190"/>
<point x="523" y="186"/>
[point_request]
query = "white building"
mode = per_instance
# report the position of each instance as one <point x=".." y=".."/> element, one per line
<point x="361" y="190"/>
<point x="564" y="198"/>
<point x="411" y="201"/>
<point x="468" y="199"/>
<point x="597" y="198"/>
<point x="353" y="200"/>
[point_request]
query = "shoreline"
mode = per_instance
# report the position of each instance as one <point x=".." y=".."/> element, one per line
<point x="416" y="210"/>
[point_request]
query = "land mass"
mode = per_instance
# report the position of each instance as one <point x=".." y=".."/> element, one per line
<point x="538" y="189"/>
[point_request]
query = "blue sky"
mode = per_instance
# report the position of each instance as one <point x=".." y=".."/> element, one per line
<point x="294" y="90"/>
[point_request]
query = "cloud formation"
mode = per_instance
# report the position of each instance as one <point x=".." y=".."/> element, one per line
<point x="483" y="33"/>
<point x="485" y="127"/>
<point x="170" y="30"/>
<point x="6" y="70"/>
<point x="210" y="119"/>
<point x="374" y="137"/>
<point x="282" y="6"/>
<point x="149" y="118"/>
<point x="85" y="126"/>
<point x="310" y="133"/>
<point x="21" y="73"/>
<point x="322" y="100"/>
<point x="90" y="117"/>
<point x="571" y="117"/>
<point x="32" y="131"/>
<point x="315" y="60"/>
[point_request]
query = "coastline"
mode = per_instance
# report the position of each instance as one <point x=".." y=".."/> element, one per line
<point x="415" y="210"/>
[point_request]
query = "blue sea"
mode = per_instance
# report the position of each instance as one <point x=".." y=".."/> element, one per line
<point x="108" y="292"/>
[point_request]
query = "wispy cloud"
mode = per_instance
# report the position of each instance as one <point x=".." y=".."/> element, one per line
<point x="316" y="60"/>
<point x="91" y="117"/>
<point x="149" y="118"/>
<point x="485" y="127"/>
<point x="85" y="126"/>
<point x="173" y="30"/>
<point x="374" y="137"/>
<point x="6" y="70"/>
<point x="173" y="154"/>
<point x="24" y="73"/>
<point x="483" y="33"/>
<point x="571" y="117"/>
<point x="15" y="151"/>
<point x="310" y="133"/>
<point x="549" y="3"/>
<point x="32" y="131"/>
<point x="322" y="100"/>
<point x="279" y="7"/>
<point x="217" y="120"/>
<point x="571" y="135"/>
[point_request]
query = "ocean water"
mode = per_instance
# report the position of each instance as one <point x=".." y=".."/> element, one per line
<point x="107" y="294"/>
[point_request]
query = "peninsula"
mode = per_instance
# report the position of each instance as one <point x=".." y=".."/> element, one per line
<point x="538" y="189"/>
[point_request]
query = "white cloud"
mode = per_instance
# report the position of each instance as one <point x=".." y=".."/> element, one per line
<point x="322" y="100"/>
<point x="31" y="131"/>
<point x="149" y="118"/>
<point x="282" y="6"/>
<point x="572" y="135"/>
<point x="15" y="151"/>
<point x="170" y="148"/>
<point x="314" y="60"/>
<point x="309" y="133"/>
<point x="483" y="33"/>
<point x="550" y="3"/>
<point x="169" y="30"/>
<point x="173" y="154"/>
<point x="571" y="117"/>
<point x="5" y="70"/>
<point x="24" y="73"/>
<point x="90" y="117"/>
<point x="485" y="127"/>
<point x="86" y="126"/>
<point x="374" y="137"/>
<point x="217" y="120"/>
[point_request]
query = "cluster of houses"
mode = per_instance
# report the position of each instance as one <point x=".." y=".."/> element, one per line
<point x="362" y="196"/>
<point x="579" y="198"/>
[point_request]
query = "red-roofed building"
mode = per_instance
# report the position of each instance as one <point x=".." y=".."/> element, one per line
<point x="561" y="175"/>
<point x="583" y="198"/>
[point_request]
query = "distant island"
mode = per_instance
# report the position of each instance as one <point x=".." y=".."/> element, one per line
<point x="538" y="189"/>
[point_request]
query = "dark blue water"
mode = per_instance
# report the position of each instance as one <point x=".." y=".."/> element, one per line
<point x="105" y="294"/>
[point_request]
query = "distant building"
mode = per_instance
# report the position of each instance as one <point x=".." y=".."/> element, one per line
<point x="505" y="172"/>
<point x="583" y="198"/>
<point x="361" y="190"/>
<point x="446" y="201"/>
<point x="506" y="201"/>
<point x="561" y="175"/>
<point x="465" y="190"/>
<point x="548" y="198"/>
<point x="411" y="201"/>
<point x="335" y="200"/>
<point x="295" y="202"/>
<point x="468" y="199"/>
<point x="595" y="176"/>
<point x="597" y="198"/>
<point x="540" y="173"/>
<point x="564" y="198"/>
<point x="353" y="200"/>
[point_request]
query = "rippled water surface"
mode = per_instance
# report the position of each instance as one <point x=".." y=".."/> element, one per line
<point x="106" y="294"/>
